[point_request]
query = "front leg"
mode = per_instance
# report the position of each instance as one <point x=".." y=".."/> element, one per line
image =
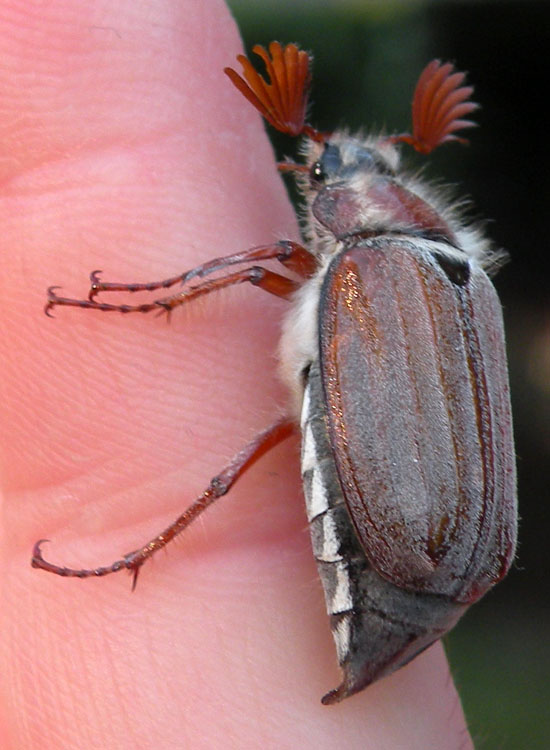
<point x="291" y="254"/>
<point x="269" y="281"/>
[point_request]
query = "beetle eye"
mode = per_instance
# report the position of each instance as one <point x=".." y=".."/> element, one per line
<point x="317" y="174"/>
<point x="327" y="166"/>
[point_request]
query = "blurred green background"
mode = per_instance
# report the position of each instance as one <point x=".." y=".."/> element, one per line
<point x="367" y="59"/>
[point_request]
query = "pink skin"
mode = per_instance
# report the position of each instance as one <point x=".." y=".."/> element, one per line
<point x="126" y="148"/>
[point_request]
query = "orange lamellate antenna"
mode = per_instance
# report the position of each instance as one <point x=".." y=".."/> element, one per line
<point x="439" y="104"/>
<point x="283" y="101"/>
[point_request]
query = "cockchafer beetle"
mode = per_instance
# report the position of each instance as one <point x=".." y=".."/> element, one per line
<point x="394" y="353"/>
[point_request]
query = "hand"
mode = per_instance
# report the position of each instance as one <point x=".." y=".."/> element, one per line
<point x="125" y="147"/>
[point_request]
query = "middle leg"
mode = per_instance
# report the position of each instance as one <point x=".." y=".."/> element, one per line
<point x="289" y="253"/>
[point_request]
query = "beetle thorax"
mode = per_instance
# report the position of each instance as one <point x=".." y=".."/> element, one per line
<point x="356" y="190"/>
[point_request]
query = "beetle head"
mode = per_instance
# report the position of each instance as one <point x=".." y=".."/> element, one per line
<point x="342" y="173"/>
<point x="352" y="185"/>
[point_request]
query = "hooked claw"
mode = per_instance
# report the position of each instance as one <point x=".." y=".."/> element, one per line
<point x="37" y="559"/>
<point x="53" y="300"/>
<point x="95" y="284"/>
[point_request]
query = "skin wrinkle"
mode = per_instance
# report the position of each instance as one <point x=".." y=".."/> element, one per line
<point x="90" y="151"/>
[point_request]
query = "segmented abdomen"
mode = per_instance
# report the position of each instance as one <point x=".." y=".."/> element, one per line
<point x="377" y="627"/>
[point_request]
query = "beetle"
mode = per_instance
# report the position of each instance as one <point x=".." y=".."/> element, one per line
<point x="394" y="355"/>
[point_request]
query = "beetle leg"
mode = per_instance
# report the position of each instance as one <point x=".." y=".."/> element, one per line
<point x="219" y="486"/>
<point x="271" y="282"/>
<point x="292" y="254"/>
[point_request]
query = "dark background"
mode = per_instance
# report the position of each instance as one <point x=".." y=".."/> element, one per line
<point x="367" y="59"/>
